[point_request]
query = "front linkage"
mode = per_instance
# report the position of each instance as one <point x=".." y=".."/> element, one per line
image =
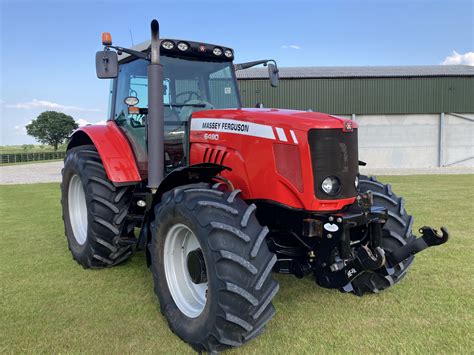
<point x="350" y="243"/>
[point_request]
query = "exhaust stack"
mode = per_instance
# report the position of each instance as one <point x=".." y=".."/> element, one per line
<point x="155" y="121"/>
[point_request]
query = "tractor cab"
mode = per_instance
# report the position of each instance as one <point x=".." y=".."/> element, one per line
<point x="196" y="77"/>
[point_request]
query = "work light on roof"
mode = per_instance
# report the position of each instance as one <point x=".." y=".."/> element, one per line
<point x="228" y="53"/>
<point x="183" y="46"/>
<point x="217" y="51"/>
<point x="167" y="45"/>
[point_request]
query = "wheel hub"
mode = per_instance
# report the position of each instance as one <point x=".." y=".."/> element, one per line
<point x="197" y="267"/>
<point x="185" y="270"/>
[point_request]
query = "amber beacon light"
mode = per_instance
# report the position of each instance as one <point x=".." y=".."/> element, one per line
<point x="106" y="39"/>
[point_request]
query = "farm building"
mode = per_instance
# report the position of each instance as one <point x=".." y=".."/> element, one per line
<point x="409" y="117"/>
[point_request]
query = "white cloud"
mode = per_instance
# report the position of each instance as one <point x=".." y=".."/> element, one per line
<point x="291" y="46"/>
<point x="459" y="59"/>
<point x="82" y="122"/>
<point x="48" y="105"/>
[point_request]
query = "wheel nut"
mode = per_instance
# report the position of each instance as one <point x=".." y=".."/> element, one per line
<point x="331" y="218"/>
<point x="339" y="220"/>
<point x="329" y="235"/>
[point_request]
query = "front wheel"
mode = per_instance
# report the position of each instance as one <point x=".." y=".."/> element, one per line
<point x="396" y="232"/>
<point x="211" y="267"/>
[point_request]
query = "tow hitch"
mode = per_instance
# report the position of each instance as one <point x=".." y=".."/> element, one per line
<point x="430" y="237"/>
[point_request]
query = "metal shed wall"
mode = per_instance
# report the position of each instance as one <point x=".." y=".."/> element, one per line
<point x="404" y="95"/>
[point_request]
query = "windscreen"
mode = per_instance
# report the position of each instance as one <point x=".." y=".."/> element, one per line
<point x="188" y="86"/>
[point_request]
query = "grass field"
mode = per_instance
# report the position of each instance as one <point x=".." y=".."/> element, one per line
<point x="49" y="304"/>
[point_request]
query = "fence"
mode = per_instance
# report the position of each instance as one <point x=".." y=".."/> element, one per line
<point x="25" y="157"/>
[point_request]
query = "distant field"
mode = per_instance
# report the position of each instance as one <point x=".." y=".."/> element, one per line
<point x="24" y="154"/>
<point x="49" y="304"/>
<point x="29" y="148"/>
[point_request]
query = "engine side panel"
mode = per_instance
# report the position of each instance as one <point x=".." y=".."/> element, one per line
<point x="114" y="150"/>
<point x="245" y="141"/>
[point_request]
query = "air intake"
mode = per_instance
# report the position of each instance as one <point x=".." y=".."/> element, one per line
<point x="216" y="156"/>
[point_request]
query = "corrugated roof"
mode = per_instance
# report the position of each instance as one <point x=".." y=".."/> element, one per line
<point x="360" y="72"/>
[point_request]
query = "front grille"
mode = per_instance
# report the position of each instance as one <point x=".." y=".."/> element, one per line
<point x="334" y="153"/>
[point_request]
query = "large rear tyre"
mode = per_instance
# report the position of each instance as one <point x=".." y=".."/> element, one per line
<point x="94" y="210"/>
<point x="396" y="233"/>
<point x="211" y="267"/>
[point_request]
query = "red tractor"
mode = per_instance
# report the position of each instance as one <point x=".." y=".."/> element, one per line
<point x="223" y="195"/>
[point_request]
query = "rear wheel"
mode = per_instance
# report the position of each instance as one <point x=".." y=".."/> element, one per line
<point x="211" y="267"/>
<point x="94" y="210"/>
<point x="396" y="233"/>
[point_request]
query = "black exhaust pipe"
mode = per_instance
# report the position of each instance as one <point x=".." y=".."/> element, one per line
<point x="155" y="121"/>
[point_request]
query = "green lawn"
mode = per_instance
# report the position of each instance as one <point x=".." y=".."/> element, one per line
<point x="49" y="304"/>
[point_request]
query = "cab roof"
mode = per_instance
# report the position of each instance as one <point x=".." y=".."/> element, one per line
<point x="195" y="50"/>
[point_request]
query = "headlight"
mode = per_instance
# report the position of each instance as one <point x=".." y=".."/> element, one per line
<point x="356" y="182"/>
<point x="217" y="51"/>
<point x="167" y="45"/>
<point x="228" y="53"/>
<point x="331" y="185"/>
<point x="183" y="46"/>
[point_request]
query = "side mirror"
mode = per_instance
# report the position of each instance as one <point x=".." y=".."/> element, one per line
<point x="106" y="64"/>
<point x="273" y="74"/>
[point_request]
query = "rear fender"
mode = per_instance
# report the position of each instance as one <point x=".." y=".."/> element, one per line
<point x="114" y="150"/>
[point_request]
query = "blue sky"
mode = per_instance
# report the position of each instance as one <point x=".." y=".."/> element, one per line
<point x="47" y="47"/>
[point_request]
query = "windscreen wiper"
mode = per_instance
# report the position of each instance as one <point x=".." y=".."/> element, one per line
<point x="133" y="110"/>
<point x="183" y="105"/>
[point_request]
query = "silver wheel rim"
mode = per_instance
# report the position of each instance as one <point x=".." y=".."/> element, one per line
<point x="188" y="296"/>
<point x="77" y="209"/>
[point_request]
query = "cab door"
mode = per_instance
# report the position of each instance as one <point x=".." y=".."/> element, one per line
<point x="133" y="81"/>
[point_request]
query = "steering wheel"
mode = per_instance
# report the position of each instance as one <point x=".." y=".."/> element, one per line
<point x="190" y="95"/>
<point x="201" y="105"/>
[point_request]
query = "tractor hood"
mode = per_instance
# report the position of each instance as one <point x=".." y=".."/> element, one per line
<point x="279" y="155"/>
<point x="286" y="119"/>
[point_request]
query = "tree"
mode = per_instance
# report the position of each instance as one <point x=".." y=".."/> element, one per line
<point x="51" y="127"/>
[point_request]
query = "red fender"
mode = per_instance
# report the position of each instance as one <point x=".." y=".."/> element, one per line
<point x="114" y="150"/>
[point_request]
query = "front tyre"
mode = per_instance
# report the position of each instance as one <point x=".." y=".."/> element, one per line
<point x="211" y="267"/>
<point x="396" y="232"/>
<point x="94" y="210"/>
